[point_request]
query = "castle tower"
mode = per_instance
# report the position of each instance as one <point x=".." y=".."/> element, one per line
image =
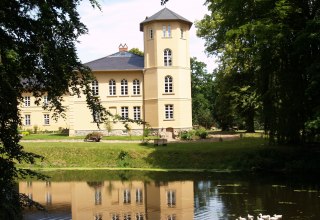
<point x="167" y="75"/>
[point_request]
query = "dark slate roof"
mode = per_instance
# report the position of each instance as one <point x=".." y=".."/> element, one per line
<point x="165" y="14"/>
<point x="118" y="61"/>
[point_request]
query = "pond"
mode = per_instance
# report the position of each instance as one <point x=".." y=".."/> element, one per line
<point x="132" y="195"/>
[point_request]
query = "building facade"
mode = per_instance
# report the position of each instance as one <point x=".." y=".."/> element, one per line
<point x="155" y="88"/>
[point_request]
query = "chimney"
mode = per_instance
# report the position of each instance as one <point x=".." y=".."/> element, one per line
<point x="123" y="48"/>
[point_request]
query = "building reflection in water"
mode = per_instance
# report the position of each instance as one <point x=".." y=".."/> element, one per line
<point x="114" y="200"/>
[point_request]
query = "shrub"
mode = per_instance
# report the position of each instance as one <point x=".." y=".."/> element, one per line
<point x="146" y="132"/>
<point x="187" y="135"/>
<point x="202" y="133"/>
<point x="25" y="133"/>
<point x="94" y="136"/>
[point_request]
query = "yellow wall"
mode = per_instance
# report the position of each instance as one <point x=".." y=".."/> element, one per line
<point x="37" y="113"/>
<point x="155" y="73"/>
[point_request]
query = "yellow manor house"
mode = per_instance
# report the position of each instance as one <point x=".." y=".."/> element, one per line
<point x="155" y="88"/>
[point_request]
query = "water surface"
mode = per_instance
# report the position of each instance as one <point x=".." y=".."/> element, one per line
<point x="124" y="195"/>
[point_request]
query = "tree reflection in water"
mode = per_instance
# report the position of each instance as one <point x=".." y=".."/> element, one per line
<point x="178" y="196"/>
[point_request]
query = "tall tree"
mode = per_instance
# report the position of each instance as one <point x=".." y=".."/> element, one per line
<point x="202" y="91"/>
<point x="37" y="54"/>
<point x="278" y="42"/>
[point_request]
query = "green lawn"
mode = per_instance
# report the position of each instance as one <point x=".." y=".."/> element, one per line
<point x="66" y="137"/>
<point x="243" y="154"/>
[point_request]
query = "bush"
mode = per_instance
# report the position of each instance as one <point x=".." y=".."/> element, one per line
<point x="202" y="133"/>
<point x="94" y="136"/>
<point x="187" y="135"/>
<point x="146" y="132"/>
<point x="25" y="133"/>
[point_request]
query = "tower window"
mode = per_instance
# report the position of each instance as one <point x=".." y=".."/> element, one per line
<point x="167" y="57"/>
<point x="150" y="34"/>
<point x="169" y="31"/>
<point x="181" y="33"/>
<point x="124" y="87"/>
<point x="166" y="31"/>
<point x="112" y="87"/>
<point x="168" y="88"/>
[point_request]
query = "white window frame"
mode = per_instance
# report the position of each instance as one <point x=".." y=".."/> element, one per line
<point x="95" y="87"/>
<point x="48" y="198"/>
<point x="164" y="31"/>
<point x="46" y="119"/>
<point x="27" y="119"/>
<point x="127" y="216"/>
<point x="167" y="57"/>
<point x="126" y="196"/>
<point x="115" y="217"/>
<point x="136" y="113"/>
<point x="168" y="84"/>
<point x="45" y="100"/>
<point x="98" y="216"/>
<point x="139" y="216"/>
<point x="181" y="33"/>
<point x="112" y="87"/>
<point x="124" y="87"/>
<point x="27" y="101"/>
<point x="171" y="217"/>
<point x="171" y="198"/>
<point x="139" y="196"/>
<point x="124" y="112"/>
<point x="136" y="87"/>
<point x="169" y="112"/>
<point x="97" y="197"/>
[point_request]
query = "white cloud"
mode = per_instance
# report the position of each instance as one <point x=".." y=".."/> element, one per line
<point x="118" y="22"/>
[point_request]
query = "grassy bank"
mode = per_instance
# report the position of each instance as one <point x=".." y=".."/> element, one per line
<point x="243" y="154"/>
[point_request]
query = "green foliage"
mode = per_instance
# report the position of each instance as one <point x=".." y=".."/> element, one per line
<point x="25" y="133"/>
<point x="187" y="135"/>
<point x="136" y="51"/>
<point x="269" y="59"/>
<point x="201" y="133"/>
<point x="146" y="131"/>
<point x="123" y="159"/>
<point x="35" y="129"/>
<point x="203" y="94"/>
<point x="37" y="55"/>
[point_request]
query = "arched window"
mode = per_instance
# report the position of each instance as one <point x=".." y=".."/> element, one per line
<point x="124" y="87"/>
<point x="168" y="88"/>
<point x="167" y="57"/>
<point x="136" y="87"/>
<point x="112" y="87"/>
<point x="95" y="87"/>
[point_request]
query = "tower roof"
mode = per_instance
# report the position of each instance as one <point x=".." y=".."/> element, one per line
<point x="165" y="15"/>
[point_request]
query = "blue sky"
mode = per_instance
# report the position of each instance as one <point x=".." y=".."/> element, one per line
<point x="119" y="20"/>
